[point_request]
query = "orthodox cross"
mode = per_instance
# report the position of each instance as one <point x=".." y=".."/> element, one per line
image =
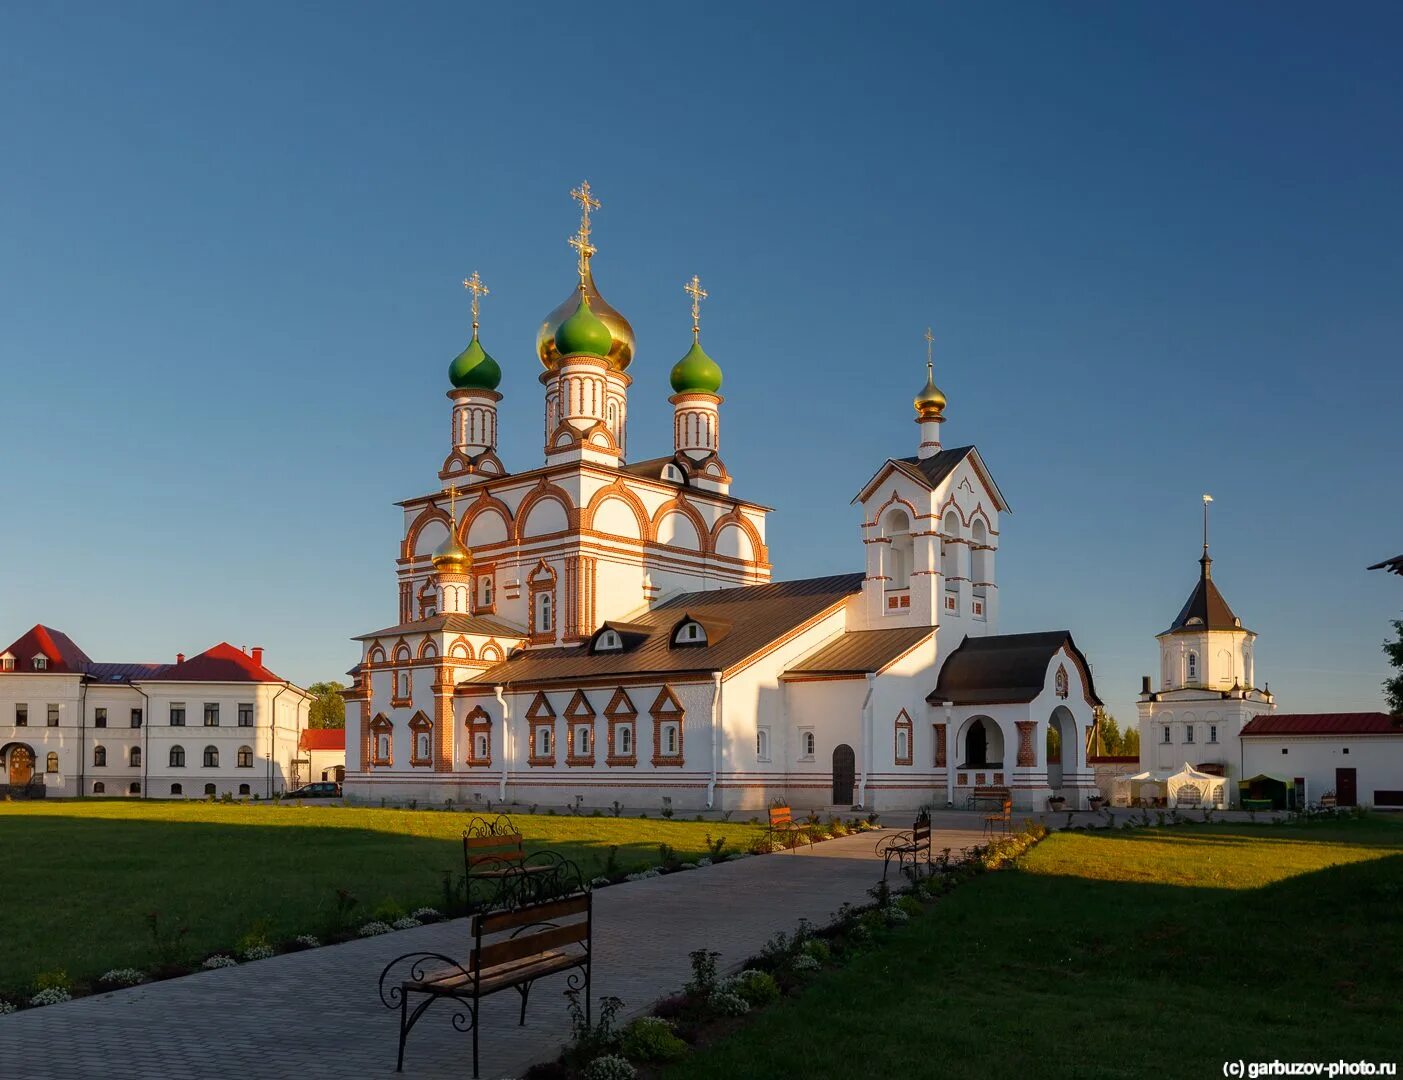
<point x="930" y="363"/>
<point x="698" y="294"/>
<point x="580" y="241"/>
<point x="475" y="286"/>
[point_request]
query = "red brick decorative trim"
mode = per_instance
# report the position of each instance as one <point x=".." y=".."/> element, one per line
<point x="665" y="711"/>
<point x="903" y="725"/>
<point x="479" y="723"/>
<point x="381" y="726"/>
<point x="418" y="724"/>
<point x="621" y="711"/>
<point x="579" y="714"/>
<point x="939" y="730"/>
<point x="1027" y="754"/>
<point x="540" y="715"/>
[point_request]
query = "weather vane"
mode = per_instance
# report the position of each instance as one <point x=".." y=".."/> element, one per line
<point x="475" y="286"/>
<point x="930" y="362"/>
<point x="1207" y="498"/>
<point x="580" y="241"/>
<point x="698" y="294"/>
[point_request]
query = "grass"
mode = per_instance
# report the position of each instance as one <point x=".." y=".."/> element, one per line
<point x="1116" y="954"/>
<point x="80" y="877"/>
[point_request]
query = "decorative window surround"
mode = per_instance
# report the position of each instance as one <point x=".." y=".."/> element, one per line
<point x="621" y="714"/>
<point x="904" y="733"/>
<point x="421" y="725"/>
<point x="579" y="717"/>
<point x="668" y="716"/>
<point x="541" y="715"/>
<point x="479" y="725"/>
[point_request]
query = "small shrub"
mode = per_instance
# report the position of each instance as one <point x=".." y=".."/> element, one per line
<point x="611" y="861"/>
<point x="426" y="914"/>
<point x="617" y="808"/>
<point x="307" y="941"/>
<point x="589" y="1042"/>
<point x="609" y="1067"/>
<point x="777" y="948"/>
<point x="374" y="927"/>
<point x="804" y="964"/>
<point x="406" y="923"/>
<point x="668" y="857"/>
<point x="727" y="1004"/>
<point x="258" y="952"/>
<point x="54" y="995"/>
<point x="165" y="939"/>
<point x="387" y="911"/>
<point x="651" y="1038"/>
<point x="6" y="1007"/>
<point x="703" y="982"/>
<point x="123" y="977"/>
<point x="909" y="904"/>
<point x="757" y="987"/>
<point x="52" y="980"/>
<point x="896" y="916"/>
<point x="714" y="847"/>
<point x="703" y="861"/>
<point x="216" y="962"/>
<point x="818" y="950"/>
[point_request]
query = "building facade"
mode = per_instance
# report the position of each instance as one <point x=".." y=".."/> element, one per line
<point x="214" y="724"/>
<point x="595" y="630"/>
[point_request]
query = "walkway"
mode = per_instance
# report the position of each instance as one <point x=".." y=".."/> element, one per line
<point x="317" y="1015"/>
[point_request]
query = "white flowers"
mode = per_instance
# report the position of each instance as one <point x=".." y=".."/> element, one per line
<point x="644" y="875"/>
<point x="405" y="923"/>
<point x="124" y="977"/>
<point x="728" y="1004"/>
<point x="308" y="941"/>
<point x="426" y="914"/>
<point x="371" y="929"/>
<point x="599" y="882"/>
<point x="703" y="861"/>
<point x="610" y="1067"/>
<point x="215" y="962"/>
<point x="6" y="1007"/>
<point x="258" y="952"/>
<point x="54" y="995"/>
<point x="804" y="962"/>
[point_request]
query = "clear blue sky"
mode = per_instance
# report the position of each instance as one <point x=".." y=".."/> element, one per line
<point x="1160" y="246"/>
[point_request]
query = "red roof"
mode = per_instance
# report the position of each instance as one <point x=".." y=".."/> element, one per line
<point x="64" y="656"/>
<point x="323" y="739"/>
<point x="222" y="663"/>
<point x="1340" y="723"/>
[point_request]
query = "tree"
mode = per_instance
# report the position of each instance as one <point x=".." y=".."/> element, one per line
<point x="328" y="707"/>
<point x="1111" y="741"/>
<point x="1393" y="688"/>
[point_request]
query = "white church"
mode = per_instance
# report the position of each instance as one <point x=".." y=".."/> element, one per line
<point x="603" y="628"/>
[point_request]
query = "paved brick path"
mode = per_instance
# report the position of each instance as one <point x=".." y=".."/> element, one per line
<point x="317" y="1014"/>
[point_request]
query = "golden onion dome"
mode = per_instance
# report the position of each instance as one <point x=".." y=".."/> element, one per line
<point x="451" y="556"/>
<point x="930" y="402"/>
<point x="620" y="353"/>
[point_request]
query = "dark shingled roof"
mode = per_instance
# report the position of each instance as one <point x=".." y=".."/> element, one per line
<point x="1393" y="565"/>
<point x="1350" y="723"/>
<point x="1206" y="609"/>
<point x="453" y="624"/>
<point x="861" y="651"/>
<point x="1004" y="669"/>
<point x="758" y="615"/>
<point x="933" y="471"/>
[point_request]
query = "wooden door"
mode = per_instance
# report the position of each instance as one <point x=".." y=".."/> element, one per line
<point x="21" y="766"/>
<point x="1346" y="788"/>
<point x="844" y="770"/>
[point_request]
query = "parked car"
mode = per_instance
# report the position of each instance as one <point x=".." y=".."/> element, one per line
<point x="315" y="791"/>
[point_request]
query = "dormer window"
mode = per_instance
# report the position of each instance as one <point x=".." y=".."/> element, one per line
<point x="609" y="641"/>
<point x="41" y="662"/>
<point x="7" y="662"/>
<point x="673" y="473"/>
<point x="690" y="633"/>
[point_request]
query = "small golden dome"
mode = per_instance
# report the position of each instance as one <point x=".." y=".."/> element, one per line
<point x="452" y="557"/>
<point x="930" y="402"/>
<point x="620" y="354"/>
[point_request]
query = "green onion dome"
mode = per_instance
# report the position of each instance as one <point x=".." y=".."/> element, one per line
<point x="474" y="369"/>
<point x="696" y="373"/>
<point x="583" y="333"/>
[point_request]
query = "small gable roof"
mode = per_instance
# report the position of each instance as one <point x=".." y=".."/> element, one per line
<point x="1005" y="669"/>
<point x="220" y="663"/>
<point x="933" y="471"/>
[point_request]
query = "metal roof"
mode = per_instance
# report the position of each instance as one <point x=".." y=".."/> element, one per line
<point x="1358" y="723"/>
<point x="1004" y="669"/>
<point x="859" y="652"/>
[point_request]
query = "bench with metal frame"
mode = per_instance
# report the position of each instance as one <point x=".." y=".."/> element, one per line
<point x="494" y="853"/>
<point x="782" y="823"/>
<point x="906" y="845"/>
<point x="511" y="950"/>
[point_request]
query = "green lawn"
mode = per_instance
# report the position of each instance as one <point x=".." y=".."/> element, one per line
<point x="80" y="877"/>
<point x="1117" y="954"/>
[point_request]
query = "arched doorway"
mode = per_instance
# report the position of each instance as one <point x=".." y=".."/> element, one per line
<point x="844" y="771"/>
<point x="1061" y="746"/>
<point x="19" y="762"/>
<point x="983" y="744"/>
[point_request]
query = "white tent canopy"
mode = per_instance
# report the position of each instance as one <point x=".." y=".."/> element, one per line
<point x="1146" y="786"/>
<point x="1191" y="788"/>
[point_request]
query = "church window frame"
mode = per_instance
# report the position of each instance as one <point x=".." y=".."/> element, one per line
<point x="1188" y="734"/>
<point x="244" y="758"/>
<point x="382" y="745"/>
<point x="808" y="744"/>
<point x="479" y="743"/>
<point x="762" y="743"/>
<point x="669" y="735"/>
<point x="579" y="721"/>
<point x="421" y="744"/>
<point x="621" y="734"/>
<point x="540" y="720"/>
<point x="904" y="739"/>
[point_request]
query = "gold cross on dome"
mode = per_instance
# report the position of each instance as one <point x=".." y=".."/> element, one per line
<point x="698" y="294"/>
<point x="475" y="286"/>
<point x="930" y="344"/>
<point x="453" y="503"/>
<point x="587" y="201"/>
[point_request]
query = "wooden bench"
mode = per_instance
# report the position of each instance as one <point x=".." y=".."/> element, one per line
<point x="511" y="950"/>
<point x="495" y="853"/>
<point x="782" y="822"/>
<point x="1004" y="817"/>
<point x="904" y="845"/>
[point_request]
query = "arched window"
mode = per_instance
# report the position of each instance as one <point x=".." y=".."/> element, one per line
<point x="670" y="738"/>
<point x="625" y="739"/>
<point x="177" y="757"/>
<point x="904" y="737"/>
<point x="382" y="748"/>
<point x="484" y="591"/>
<point x="545" y="613"/>
<point x="903" y="745"/>
<point x="1192" y="667"/>
<point x="211" y="757"/>
<point x="245" y="759"/>
<point x="244" y="789"/>
<point x="209" y="789"/>
<point x="979" y="562"/>
<point x="176" y="789"/>
<point x="99" y="756"/>
<point x="136" y="757"/>
<point x="762" y="744"/>
<point x="896" y="528"/>
<point x="809" y="744"/>
<point x="480" y="749"/>
<point x="543" y="742"/>
<point x="421" y="745"/>
<point x="51" y="762"/>
<point x="381" y="727"/>
<point x="99" y="788"/>
<point x="584" y="737"/>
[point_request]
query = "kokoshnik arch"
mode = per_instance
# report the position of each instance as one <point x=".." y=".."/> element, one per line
<point x="603" y="628"/>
